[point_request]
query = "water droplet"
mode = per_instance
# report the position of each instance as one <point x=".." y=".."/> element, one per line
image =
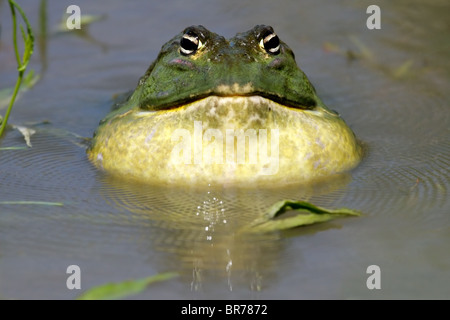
<point x="229" y="265"/>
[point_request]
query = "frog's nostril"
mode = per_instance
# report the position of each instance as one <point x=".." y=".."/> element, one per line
<point x="277" y="63"/>
<point x="181" y="64"/>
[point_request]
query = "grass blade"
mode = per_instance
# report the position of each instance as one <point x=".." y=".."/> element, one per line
<point x="118" y="290"/>
<point x="28" y="39"/>
<point x="41" y="203"/>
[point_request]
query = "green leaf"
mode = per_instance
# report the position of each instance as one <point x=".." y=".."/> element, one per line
<point x="85" y="20"/>
<point x="123" y="289"/>
<point x="305" y="214"/>
<point x="13" y="148"/>
<point x="41" y="203"/>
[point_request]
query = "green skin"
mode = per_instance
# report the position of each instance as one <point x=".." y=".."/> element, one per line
<point x="226" y="84"/>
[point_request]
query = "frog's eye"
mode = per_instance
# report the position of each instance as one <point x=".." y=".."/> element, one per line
<point x="190" y="43"/>
<point x="270" y="42"/>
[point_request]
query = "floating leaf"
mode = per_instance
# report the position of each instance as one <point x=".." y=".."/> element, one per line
<point x="123" y="289"/>
<point x="306" y="214"/>
<point x="41" y="203"/>
<point x="13" y="148"/>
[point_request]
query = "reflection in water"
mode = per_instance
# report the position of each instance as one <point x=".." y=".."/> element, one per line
<point x="200" y="228"/>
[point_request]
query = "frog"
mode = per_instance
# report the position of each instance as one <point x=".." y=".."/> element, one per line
<point x="237" y="111"/>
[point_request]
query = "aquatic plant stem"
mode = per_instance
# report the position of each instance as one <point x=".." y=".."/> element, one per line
<point x="13" y="98"/>
<point x="21" y="65"/>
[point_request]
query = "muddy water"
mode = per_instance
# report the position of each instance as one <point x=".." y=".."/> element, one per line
<point x="390" y="85"/>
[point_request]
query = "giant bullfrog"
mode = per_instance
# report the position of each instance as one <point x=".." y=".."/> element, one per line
<point x="225" y="111"/>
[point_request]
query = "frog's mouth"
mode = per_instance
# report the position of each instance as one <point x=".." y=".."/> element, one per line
<point x="165" y="101"/>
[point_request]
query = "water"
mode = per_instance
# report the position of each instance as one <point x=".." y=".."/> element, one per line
<point x="116" y="230"/>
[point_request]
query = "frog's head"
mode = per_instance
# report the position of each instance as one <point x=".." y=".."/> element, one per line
<point x="198" y="63"/>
